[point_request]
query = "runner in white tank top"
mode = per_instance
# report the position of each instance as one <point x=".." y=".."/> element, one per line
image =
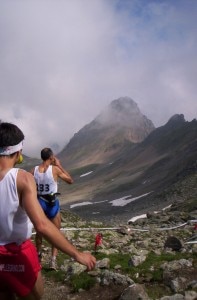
<point x="15" y="224"/>
<point x="46" y="176"/>
<point x="45" y="181"/>
<point x="19" y="266"/>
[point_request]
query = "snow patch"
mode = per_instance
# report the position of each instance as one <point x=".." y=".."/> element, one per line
<point x="86" y="174"/>
<point x="126" y="200"/>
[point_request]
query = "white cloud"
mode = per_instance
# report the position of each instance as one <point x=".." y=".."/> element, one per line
<point x="62" y="62"/>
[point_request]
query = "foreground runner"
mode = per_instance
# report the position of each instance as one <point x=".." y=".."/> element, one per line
<point x="20" y="271"/>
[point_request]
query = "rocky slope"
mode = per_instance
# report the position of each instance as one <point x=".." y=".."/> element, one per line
<point x="152" y="258"/>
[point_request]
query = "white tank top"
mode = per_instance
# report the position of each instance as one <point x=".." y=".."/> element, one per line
<point x="45" y="181"/>
<point x="15" y="225"/>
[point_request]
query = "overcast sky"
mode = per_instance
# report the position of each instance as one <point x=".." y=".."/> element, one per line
<point x="63" y="61"/>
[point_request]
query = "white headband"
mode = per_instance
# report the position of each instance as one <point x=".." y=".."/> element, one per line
<point x="11" y="149"/>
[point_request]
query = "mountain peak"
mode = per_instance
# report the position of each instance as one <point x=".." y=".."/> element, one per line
<point x="124" y="103"/>
<point x="120" y="124"/>
<point x="177" y="118"/>
<point x="123" y="112"/>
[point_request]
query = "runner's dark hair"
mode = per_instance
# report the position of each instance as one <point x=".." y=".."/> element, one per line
<point x="10" y="134"/>
<point x="46" y="153"/>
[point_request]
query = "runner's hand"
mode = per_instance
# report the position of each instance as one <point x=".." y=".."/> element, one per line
<point x="56" y="162"/>
<point x="86" y="259"/>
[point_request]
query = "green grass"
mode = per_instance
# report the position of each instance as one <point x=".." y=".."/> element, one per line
<point x="152" y="261"/>
<point x="82" y="281"/>
<point x="57" y="276"/>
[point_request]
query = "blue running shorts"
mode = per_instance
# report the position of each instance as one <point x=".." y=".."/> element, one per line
<point x="50" y="211"/>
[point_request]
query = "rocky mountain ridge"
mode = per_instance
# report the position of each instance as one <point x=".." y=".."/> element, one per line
<point x="166" y="156"/>
<point x="119" y="124"/>
<point x="144" y="171"/>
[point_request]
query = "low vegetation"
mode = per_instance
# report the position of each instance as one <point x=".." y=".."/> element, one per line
<point x="148" y="273"/>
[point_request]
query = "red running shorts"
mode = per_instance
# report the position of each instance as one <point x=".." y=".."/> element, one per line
<point x="19" y="267"/>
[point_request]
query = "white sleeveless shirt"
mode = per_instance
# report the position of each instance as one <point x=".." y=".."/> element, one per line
<point x="15" y="225"/>
<point x="45" y="181"/>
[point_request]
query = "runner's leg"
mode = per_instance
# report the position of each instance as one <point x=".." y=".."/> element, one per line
<point x="38" y="290"/>
<point x="57" y="222"/>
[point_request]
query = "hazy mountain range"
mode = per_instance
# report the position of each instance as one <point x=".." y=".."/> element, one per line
<point x="121" y="124"/>
<point x="121" y="155"/>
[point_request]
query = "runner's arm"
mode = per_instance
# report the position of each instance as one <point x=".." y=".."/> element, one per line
<point x="61" y="172"/>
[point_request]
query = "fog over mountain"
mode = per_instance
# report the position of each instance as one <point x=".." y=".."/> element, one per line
<point x="122" y="112"/>
<point x="62" y="62"/>
<point x="121" y="122"/>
